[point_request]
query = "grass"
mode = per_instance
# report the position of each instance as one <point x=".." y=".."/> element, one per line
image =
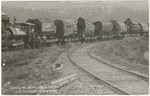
<point x="26" y="67"/>
<point x="127" y="53"/>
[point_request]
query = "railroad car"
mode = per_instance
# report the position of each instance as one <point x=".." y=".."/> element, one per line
<point x="58" y="30"/>
<point x="85" y="30"/>
<point x="132" y="27"/>
<point x="144" y="28"/>
<point x="115" y="31"/>
<point x="65" y="29"/>
<point x="102" y="29"/>
<point x="70" y="29"/>
<point x="128" y="23"/>
<point x="84" y="27"/>
<point x="135" y="28"/>
<point x="109" y="29"/>
<point x="122" y="28"/>
<point x="43" y="26"/>
<point x="119" y="29"/>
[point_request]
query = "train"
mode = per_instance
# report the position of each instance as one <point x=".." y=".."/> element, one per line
<point x="17" y="36"/>
<point x="33" y="31"/>
<point x="83" y="30"/>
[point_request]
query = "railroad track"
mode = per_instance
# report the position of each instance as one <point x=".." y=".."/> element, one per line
<point x="120" y="81"/>
<point x="142" y="76"/>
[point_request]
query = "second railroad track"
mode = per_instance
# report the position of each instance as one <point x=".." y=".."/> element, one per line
<point x="119" y="80"/>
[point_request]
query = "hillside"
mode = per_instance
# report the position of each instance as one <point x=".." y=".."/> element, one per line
<point x="65" y="10"/>
<point x="130" y="53"/>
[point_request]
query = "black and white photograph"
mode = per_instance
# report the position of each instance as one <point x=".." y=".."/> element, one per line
<point x="75" y="47"/>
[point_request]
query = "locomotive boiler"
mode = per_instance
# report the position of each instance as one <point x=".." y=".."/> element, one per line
<point x="18" y="38"/>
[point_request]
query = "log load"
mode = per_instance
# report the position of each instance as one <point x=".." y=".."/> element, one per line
<point x="116" y="28"/>
<point x="98" y="27"/>
<point x="109" y="28"/>
<point x="144" y="27"/>
<point x="128" y="23"/>
<point x="122" y="27"/>
<point x="85" y="27"/>
<point x="70" y="27"/>
<point x="135" y="28"/>
<point x="106" y="28"/>
<point x="48" y="26"/>
<point x="44" y="26"/>
<point x="59" y="28"/>
<point x="103" y="28"/>
<point x="65" y="28"/>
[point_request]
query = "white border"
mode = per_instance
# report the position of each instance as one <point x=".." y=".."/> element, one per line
<point x="77" y="1"/>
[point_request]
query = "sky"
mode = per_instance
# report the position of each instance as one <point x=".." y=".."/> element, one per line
<point x="139" y="5"/>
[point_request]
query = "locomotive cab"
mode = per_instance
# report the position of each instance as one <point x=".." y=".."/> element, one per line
<point x="28" y="28"/>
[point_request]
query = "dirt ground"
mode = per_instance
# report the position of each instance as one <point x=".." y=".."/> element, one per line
<point x="29" y="72"/>
<point x="130" y="53"/>
<point x="25" y="67"/>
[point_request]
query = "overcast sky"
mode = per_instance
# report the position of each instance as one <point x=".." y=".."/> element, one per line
<point x="140" y="5"/>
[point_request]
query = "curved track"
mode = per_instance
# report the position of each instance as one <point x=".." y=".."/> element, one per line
<point x="142" y="76"/>
<point x="122" y="82"/>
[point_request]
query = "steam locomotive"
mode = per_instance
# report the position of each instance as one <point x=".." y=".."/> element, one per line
<point x="17" y="36"/>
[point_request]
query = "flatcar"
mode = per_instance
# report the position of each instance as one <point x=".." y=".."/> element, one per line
<point x="111" y="29"/>
<point x="136" y="28"/>
<point x="85" y="30"/>
<point x="43" y="26"/>
<point x="144" y="29"/>
<point x="65" y="30"/>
